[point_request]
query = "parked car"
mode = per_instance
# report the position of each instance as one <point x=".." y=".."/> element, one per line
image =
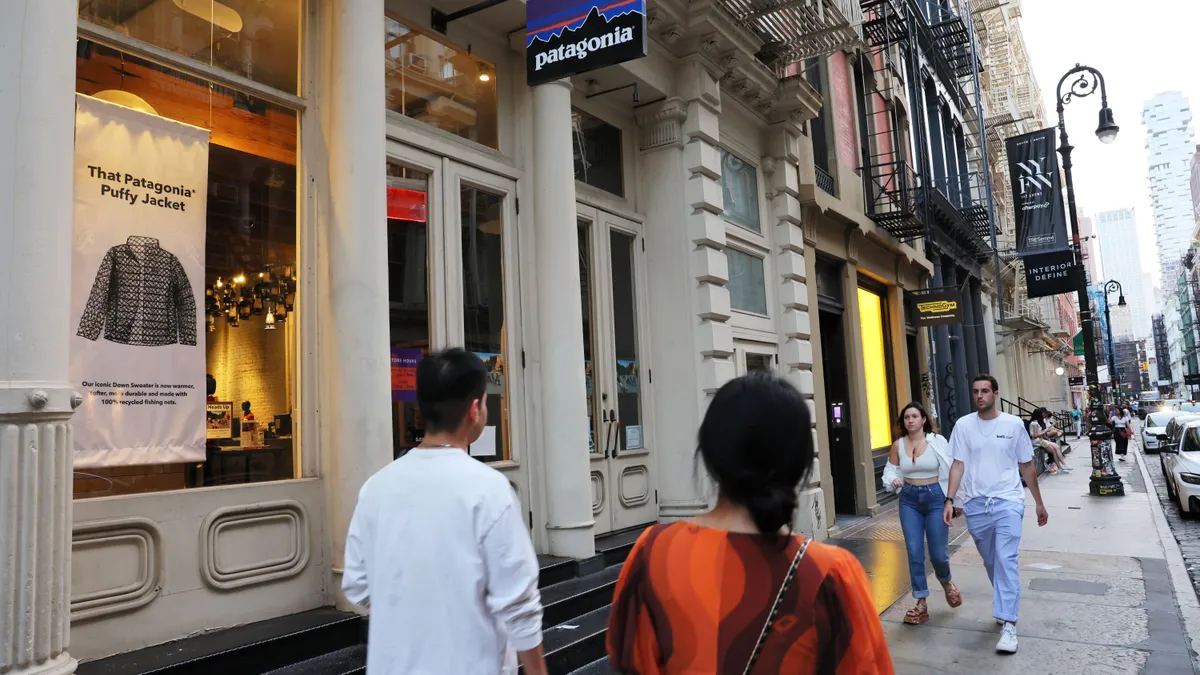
<point x="1181" y="467"/>
<point x="1175" y="428"/>
<point x="1154" y="431"/>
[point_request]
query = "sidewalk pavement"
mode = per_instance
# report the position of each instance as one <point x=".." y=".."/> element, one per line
<point x="1103" y="590"/>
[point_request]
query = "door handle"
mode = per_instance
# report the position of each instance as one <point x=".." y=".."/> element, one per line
<point x="614" y="424"/>
<point x="607" y="435"/>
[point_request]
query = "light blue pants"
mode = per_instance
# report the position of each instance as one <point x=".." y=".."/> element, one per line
<point x="995" y="524"/>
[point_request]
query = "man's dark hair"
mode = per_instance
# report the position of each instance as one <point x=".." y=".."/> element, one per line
<point x="448" y="382"/>
<point x="984" y="377"/>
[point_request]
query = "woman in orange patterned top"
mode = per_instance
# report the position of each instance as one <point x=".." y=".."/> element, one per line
<point x="733" y="591"/>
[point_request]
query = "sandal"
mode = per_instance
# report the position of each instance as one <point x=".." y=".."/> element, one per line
<point x="917" y="615"/>
<point x="953" y="596"/>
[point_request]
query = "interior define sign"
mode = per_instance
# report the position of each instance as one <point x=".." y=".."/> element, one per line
<point x="1051" y="273"/>
<point x="137" y="355"/>
<point x="568" y="37"/>
<point x="939" y="308"/>
<point x="1037" y="193"/>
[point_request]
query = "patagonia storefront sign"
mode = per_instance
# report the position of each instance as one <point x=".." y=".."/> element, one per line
<point x="569" y="37"/>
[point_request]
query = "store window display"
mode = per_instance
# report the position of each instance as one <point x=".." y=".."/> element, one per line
<point x="245" y="321"/>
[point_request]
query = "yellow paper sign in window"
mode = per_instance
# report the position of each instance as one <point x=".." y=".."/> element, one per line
<point x="870" y="310"/>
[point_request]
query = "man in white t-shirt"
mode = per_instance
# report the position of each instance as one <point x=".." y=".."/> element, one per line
<point x="992" y="452"/>
<point x="437" y="547"/>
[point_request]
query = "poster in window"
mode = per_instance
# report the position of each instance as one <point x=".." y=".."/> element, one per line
<point x="404" y="372"/>
<point x="218" y="421"/>
<point x="140" y="195"/>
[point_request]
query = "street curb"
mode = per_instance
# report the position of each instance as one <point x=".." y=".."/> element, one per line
<point x="1185" y="593"/>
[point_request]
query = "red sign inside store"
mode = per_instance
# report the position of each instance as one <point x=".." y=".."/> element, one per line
<point x="405" y="204"/>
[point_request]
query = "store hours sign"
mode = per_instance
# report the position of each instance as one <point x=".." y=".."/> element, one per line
<point x="569" y="37"/>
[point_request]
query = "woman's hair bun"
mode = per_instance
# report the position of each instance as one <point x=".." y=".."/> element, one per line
<point x="772" y="508"/>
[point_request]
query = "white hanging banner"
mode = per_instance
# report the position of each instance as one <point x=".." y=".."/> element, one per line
<point x="137" y="353"/>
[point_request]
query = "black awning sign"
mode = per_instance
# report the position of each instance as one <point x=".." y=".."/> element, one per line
<point x="1051" y="273"/>
<point x="940" y="308"/>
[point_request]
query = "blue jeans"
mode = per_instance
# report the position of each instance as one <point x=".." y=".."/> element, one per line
<point x="921" y="518"/>
<point x="995" y="525"/>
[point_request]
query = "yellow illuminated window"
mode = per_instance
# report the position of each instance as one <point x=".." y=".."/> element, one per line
<point x="870" y="310"/>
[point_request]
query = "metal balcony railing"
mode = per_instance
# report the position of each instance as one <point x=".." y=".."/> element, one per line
<point x="885" y="22"/>
<point x="794" y="30"/>
<point x="824" y="180"/>
<point x="890" y="189"/>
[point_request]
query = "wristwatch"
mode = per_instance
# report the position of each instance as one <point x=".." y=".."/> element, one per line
<point x="949" y="500"/>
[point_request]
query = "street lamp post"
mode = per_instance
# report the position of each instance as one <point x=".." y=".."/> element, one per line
<point x="1105" y="480"/>
<point x="1113" y="377"/>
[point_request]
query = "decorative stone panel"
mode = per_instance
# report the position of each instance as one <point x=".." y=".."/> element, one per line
<point x="116" y="566"/>
<point x="254" y="544"/>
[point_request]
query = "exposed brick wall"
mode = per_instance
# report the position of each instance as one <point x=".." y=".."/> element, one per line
<point x="251" y="364"/>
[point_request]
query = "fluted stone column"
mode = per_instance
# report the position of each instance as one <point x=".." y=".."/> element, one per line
<point x="564" y="418"/>
<point x="37" y="120"/>
<point x="352" y="282"/>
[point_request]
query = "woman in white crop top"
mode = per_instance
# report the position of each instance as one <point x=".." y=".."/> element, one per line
<point x="919" y="468"/>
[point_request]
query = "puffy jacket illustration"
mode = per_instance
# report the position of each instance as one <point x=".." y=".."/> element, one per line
<point x="141" y="297"/>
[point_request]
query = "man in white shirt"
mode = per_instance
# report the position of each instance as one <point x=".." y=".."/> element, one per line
<point x="992" y="452"/>
<point x="437" y="547"/>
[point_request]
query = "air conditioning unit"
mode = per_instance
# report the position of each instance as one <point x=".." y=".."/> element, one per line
<point x="418" y="62"/>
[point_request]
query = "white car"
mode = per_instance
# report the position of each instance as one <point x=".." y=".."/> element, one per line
<point x="1154" y="429"/>
<point x="1181" y="467"/>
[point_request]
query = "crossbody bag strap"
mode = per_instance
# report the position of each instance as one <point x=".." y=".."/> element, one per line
<point x="766" y="629"/>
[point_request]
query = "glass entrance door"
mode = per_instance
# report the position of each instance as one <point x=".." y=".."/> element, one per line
<point x="624" y="490"/>
<point x="453" y="281"/>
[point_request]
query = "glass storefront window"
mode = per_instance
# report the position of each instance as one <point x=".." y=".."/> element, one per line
<point x="629" y="377"/>
<point x="250" y="304"/>
<point x="482" y="217"/>
<point x="585" y="288"/>
<point x="739" y="188"/>
<point x="747" y="282"/>
<point x="438" y="84"/>
<point x="408" y="296"/>
<point x="597" y="150"/>
<point x="251" y="38"/>
<point x="871" y="324"/>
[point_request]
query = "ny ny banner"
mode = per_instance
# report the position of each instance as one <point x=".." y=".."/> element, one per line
<point x="137" y="340"/>
<point x="1037" y="193"/>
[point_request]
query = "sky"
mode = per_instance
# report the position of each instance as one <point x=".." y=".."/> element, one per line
<point x="1142" y="49"/>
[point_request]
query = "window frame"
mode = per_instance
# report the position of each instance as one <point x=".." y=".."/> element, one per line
<point x="305" y="338"/>
<point x="747" y="324"/>
<point x="426" y="129"/>
<point x="759" y="196"/>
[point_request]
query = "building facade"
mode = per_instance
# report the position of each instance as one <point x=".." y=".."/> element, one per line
<point x="615" y="246"/>
<point x="614" y="254"/>
<point x="1167" y="119"/>
<point x="1120" y="250"/>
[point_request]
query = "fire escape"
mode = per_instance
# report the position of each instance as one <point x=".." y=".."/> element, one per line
<point x="939" y="198"/>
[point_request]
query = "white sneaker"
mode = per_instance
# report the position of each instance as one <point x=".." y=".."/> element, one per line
<point x="1008" y="639"/>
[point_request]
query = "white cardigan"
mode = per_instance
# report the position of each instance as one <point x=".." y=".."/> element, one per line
<point x="941" y="448"/>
